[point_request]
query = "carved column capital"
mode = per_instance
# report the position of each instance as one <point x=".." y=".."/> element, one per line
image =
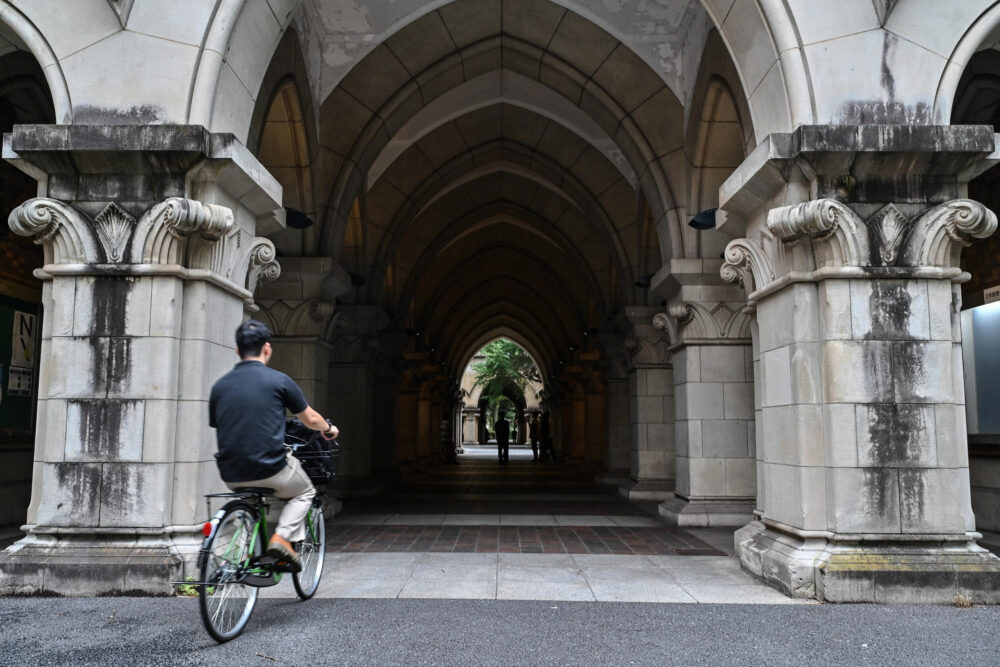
<point x="176" y="234"/>
<point x="825" y="238"/>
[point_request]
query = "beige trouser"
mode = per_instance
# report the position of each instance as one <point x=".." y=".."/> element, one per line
<point x="291" y="484"/>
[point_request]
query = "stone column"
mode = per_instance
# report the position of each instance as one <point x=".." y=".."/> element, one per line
<point x="651" y="398"/>
<point x="151" y="261"/>
<point x="863" y="460"/>
<point x="618" y="429"/>
<point x="354" y="345"/>
<point x="297" y="308"/>
<point x="713" y="386"/>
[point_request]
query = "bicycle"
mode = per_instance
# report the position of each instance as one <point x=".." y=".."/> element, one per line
<point x="232" y="563"/>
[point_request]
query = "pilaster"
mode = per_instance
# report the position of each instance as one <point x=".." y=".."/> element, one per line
<point x="652" y="468"/>
<point x="863" y="482"/>
<point x="713" y="387"/>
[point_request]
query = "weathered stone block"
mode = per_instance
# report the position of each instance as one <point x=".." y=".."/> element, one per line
<point x="50" y="436"/>
<point x="707" y="477"/>
<point x="72" y="494"/>
<point x="776" y="377"/>
<point x="741" y="477"/>
<point x="952" y="436"/>
<point x="104" y="430"/>
<point x="935" y="501"/>
<point x="896" y="435"/>
<point x="840" y="434"/>
<point x="143" y="367"/>
<point x="74" y="368"/>
<point x="166" y="306"/>
<point x="857" y="372"/>
<point x="195" y="440"/>
<point x="864" y="500"/>
<point x="724" y="438"/>
<point x="890" y="309"/>
<point x="723" y="363"/>
<point x="112" y="306"/>
<point x="923" y="372"/>
<point x="701" y="400"/>
<point x="834" y="298"/>
<point x="135" y="494"/>
<point x="159" y="429"/>
<point x="738" y="399"/>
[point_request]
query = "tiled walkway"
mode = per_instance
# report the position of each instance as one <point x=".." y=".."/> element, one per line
<point x="524" y="531"/>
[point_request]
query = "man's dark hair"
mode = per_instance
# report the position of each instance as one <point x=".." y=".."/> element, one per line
<point x="250" y="338"/>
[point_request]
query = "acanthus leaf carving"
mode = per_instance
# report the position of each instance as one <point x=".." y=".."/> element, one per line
<point x="114" y="226"/>
<point x="747" y="264"/>
<point x="63" y="232"/>
<point x="938" y="235"/>
<point x="840" y="237"/>
<point x="261" y="263"/>
<point x="162" y="235"/>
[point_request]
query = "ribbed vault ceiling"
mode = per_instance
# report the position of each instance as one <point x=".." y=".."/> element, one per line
<point x="512" y="161"/>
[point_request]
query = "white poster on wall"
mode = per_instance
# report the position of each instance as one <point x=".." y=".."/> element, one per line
<point x="20" y="382"/>
<point x="22" y="353"/>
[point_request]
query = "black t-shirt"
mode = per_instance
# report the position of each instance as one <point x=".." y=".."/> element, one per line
<point x="247" y="411"/>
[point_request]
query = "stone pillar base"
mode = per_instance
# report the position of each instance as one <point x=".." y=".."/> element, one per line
<point x="704" y="513"/>
<point x="88" y="564"/>
<point x="647" y="489"/>
<point x="927" y="572"/>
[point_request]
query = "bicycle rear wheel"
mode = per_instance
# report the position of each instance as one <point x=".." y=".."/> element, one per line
<point x="226" y="602"/>
<point x="312" y="551"/>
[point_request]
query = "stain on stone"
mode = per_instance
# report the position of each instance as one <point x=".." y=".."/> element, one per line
<point x="119" y="363"/>
<point x="145" y="114"/>
<point x="889" y="304"/>
<point x="122" y="489"/>
<point x="911" y="495"/>
<point x="888" y="80"/>
<point x="100" y="429"/>
<point x="882" y="112"/>
<point x="111" y="363"/>
<point x="896" y="433"/>
<point x="877" y="490"/>
<point x="80" y="483"/>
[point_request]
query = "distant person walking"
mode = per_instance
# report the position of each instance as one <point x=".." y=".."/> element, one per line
<point x="502" y="430"/>
<point x="535" y="427"/>
<point x="545" y="435"/>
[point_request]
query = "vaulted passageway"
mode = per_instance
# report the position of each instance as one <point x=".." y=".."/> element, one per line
<point x="495" y="168"/>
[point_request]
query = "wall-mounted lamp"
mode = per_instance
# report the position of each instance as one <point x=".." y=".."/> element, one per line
<point x="296" y="219"/>
<point x="704" y="220"/>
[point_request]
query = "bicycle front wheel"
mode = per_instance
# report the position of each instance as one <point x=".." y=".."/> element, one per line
<point x="226" y="602"/>
<point x="312" y="551"/>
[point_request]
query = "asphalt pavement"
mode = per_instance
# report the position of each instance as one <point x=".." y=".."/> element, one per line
<point x="168" y="631"/>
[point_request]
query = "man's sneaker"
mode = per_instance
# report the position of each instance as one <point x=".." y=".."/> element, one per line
<point x="281" y="550"/>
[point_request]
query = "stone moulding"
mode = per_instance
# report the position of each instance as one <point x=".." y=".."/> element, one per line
<point x="181" y="237"/>
<point x="705" y="323"/>
<point x="843" y="246"/>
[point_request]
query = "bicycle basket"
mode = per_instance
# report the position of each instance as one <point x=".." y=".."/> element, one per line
<point x="319" y="457"/>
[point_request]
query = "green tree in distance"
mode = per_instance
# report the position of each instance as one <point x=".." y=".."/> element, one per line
<point x="506" y="364"/>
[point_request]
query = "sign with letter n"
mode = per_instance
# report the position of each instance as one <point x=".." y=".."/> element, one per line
<point x="22" y="353"/>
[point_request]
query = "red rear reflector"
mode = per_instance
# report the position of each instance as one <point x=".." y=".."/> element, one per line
<point x="206" y="530"/>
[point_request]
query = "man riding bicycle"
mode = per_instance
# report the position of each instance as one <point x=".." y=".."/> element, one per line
<point x="247" y="411"/>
